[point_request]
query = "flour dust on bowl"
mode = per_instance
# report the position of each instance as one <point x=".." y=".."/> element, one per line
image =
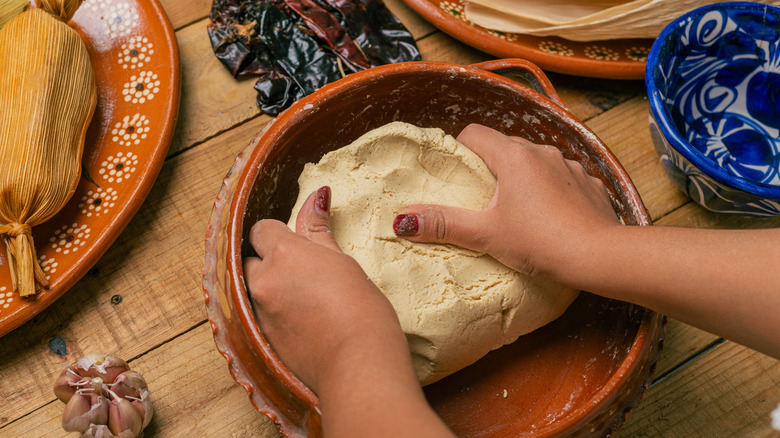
<point x="713" y="80"/>
<point x="578" y="376"/>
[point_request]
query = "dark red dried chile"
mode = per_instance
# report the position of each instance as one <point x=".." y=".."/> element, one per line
<point x="297" y="46"/>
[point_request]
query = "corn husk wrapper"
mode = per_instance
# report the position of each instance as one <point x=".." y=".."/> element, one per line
<point x="582" y="20"/>
<point x="11" y="8"/>
<point x="48" y="96"/>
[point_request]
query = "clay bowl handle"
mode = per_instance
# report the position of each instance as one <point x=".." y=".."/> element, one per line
<point x="524" y="73"/>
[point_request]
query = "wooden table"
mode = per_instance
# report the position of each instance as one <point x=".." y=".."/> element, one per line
<point x="704" y="385"/>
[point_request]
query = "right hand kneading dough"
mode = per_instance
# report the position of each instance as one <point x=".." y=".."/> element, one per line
<point x="454" y="305"/>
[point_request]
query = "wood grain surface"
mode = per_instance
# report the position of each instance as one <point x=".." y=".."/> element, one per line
<point x="704" y="386"/>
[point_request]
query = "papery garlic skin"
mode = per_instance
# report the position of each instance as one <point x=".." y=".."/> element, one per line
<point x="105" y="367"/>
<point x="100" y="431"/>
<point x="145" y="406"/>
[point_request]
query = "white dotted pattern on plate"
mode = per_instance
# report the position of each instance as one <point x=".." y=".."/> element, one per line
<point x="6" y="298"/>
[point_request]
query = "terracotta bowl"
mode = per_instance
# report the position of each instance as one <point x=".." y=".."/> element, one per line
<point x="579" y="376"/>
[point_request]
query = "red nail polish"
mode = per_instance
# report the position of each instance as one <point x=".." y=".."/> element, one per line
<point x="406" y="225"/>
<point x="322" y="199"/>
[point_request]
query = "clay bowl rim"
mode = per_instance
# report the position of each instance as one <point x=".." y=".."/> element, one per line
<point x="661" y="114"/>
<point x="334" y="91"/>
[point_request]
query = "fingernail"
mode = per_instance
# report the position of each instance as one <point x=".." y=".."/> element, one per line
<point x="405" y="225"/>
<point x="322" y="200"/>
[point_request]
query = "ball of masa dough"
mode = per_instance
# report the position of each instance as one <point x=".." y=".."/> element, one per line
<point x="455" y="305"/>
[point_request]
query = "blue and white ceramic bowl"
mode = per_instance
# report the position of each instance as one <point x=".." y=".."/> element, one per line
<point x="713" y="80"/>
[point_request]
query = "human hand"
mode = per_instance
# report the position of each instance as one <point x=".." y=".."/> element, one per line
<point x="544" y="211"/>
<point x="317" y="307"/>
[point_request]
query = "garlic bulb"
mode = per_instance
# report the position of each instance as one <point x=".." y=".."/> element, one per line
<point x="104" y="398"/>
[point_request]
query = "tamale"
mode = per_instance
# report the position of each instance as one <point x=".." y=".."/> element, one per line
<point x="47" y="98"/>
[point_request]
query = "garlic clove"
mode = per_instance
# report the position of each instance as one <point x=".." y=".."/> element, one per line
<point x="99" y="413"/>
<point x="129" y="383"/>
<point x="123" y="416"/>
<point x="74" y="418"/>
<point x="67" y="383"/>
<point x="83" y="409"/>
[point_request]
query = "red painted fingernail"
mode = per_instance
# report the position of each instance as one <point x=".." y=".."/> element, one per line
<point x="406" y="225"/>
<point x="322" y="199"/>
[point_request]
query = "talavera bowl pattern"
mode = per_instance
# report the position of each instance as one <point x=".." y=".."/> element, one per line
<point x="713" y="80"/>
<point x="579" y="376"/>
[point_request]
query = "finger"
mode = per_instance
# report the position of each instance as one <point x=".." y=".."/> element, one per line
<point x="487" y="143"/>
<point x="252" y="275"/>
<point x="265" y="234"/>
<point x="441" y="224"/>
<point x="313" y="219"/>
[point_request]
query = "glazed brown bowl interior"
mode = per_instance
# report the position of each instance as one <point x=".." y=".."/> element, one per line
<point x="559" y="379"/>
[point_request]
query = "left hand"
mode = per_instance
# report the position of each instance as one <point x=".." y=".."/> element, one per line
<point x="316" y="305"/>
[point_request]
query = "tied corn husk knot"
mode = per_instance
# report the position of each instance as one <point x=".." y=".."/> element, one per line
<point x="15" y="229"/>
<point x="63" y="9"/>
<point x="21" y="253"/>
<point x="48" y="96"/>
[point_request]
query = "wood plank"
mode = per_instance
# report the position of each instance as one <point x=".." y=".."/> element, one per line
<point x="212" y="101"/>
<point x="589" y="97"/>
<point x="681" y="343"/>
<point x="154" y="267"/>
<point x="193" y="395"/>
<point x="414" y="23"/>
<point x="728" y="392"/>
<point x="183" y="13"/>
<point x="692" y="215"/>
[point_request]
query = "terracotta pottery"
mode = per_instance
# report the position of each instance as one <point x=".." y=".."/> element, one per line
<point x="612" y="59"/>
<point x="579" y="376"/>
<point x="133" y="51"/>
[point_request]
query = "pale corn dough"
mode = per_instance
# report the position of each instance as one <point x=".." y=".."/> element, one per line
<point x="454" y="305"/>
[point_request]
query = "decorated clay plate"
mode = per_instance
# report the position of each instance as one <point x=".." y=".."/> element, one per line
<point x="136" y="61"/>
<point x="614" y="59"/>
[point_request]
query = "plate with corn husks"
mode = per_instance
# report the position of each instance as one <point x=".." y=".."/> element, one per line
<point x="94" y="86"/>
<point x="595" y="38"/>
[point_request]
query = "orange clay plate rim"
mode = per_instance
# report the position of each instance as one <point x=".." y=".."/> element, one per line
<point x="609" y="59"/>
<point x="135" y="57"/>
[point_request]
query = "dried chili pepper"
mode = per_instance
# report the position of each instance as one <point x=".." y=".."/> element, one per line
<point x="328" y="29"/>
<point x="297" y="46"/>
<point x="380" y="35"/>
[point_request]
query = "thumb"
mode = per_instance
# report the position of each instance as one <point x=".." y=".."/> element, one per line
<point x="313" y="219"/>
<point x="440" y="224"/>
